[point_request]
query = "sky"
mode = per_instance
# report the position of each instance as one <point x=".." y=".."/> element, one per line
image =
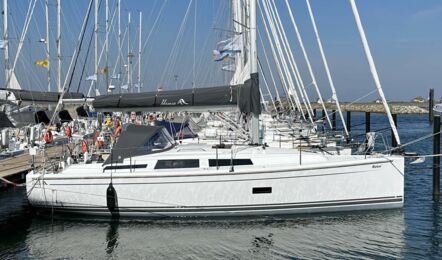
<point x="405" y="37"/>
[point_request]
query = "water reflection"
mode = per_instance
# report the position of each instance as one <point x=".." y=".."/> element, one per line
<point x="112" y="236"/>
<point x="369" y="234"/>
<point x="435" y="231"/>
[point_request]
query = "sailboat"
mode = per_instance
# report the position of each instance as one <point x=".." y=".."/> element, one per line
<point x="147" y="174"/>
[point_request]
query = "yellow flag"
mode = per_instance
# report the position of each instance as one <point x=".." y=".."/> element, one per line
<point x="42" y="63"/>
<point x="102" y="70"/>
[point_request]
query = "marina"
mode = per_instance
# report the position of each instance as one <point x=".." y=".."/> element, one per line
<point x="144" y="134"/>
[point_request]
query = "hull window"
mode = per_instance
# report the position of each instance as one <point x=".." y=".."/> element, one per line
<point x="122" y="167"/>
<point x="260" y="190"/>
<point x="174" y="164"/>
<point x="228" y="162"/>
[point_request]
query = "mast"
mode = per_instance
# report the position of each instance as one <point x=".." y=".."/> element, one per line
<point x="48" y="55"/>
<point x="6" y="39"/>
<point x="253" y="59"/>
<point x="96" y="45"/>
<point x="106" y="46"/>
<point x="139" y="54"/>
<point x="373" y="70"/>
<point x="129" y="57"/>
<point x="119" y="40"/>
<point x="58" y="43"/>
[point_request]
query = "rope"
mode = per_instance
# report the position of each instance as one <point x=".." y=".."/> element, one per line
<point x="414" y="141"/>
<point x="423" y="156"/>
<point x="12" y="183"/>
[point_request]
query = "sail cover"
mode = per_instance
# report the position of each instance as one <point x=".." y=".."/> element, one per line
<point x="250" y="98"/>
<point x="225" y="96"/>
<point x="245" y="96"/>
<point x="41" y="96"/>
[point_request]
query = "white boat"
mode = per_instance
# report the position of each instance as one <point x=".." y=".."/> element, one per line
<point x="157" y="178"/>
<point x="148" y="175"/>
<point x="438" y="108"/>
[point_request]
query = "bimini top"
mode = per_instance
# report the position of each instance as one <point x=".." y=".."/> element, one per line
<point x="4" y="121"/>
<point x="140" y="140"/>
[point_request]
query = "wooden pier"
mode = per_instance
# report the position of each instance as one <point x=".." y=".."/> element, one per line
<point x="15" y="168"/>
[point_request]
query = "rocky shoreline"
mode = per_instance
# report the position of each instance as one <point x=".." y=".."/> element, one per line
<point x="395" y="107"/>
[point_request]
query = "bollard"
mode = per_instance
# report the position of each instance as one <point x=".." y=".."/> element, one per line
<point x="334" y="120"/>
<point x="436" y="158"/>
<point x="393" y="139"/>
<point x="348" y="123"/>
<point x="367" y="122"/>
<point x="431" y="105"/>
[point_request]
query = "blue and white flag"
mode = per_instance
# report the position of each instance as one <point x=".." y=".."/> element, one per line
<point x="229" y="67"/>
<point x="3" y="44"/>
<point x="232" y="45"/>
<point x="92" y="78"/>
<point x="218" y="56"/>
<point x="228" y="48"/>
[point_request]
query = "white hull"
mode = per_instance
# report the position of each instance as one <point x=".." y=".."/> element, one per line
<point x="372" y="183"/>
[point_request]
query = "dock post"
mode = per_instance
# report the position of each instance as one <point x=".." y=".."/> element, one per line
<point x="334" y="120"/>
<point x="393" y="139"/>
<point x="436" y="158"/>
<point x="367" y="122"/>
<point x="431" y="105"/>
<point x="348" y="123"/>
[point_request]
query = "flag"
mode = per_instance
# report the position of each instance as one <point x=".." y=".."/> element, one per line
<point x="92" y="78"/>
<point x="42" y="63"/>
<point x="116" y="76"/>
<point x="232" y="45"/>
<point x="218" y="56"/>
<point x="228" y="48"/>
<point x="3" y="44"/>
<point x="229" y="67"/>
<point x="102" y="70"/>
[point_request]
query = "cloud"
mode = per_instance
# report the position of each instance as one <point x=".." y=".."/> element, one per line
<point x="428" y="13"/>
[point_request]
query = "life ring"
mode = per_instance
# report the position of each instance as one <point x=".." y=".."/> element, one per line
<point x="84" y="147"/>
<point x="47" y="137"/>
<point x="117" y="132"/>
<point x="68" y="131"/>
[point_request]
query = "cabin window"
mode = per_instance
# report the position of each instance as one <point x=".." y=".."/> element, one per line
<point x="160" y="141"/>
<point x="175" y="164"/>
<point x="260" y="190"/>
<point x="228" y="162"/>
<point x="123" y="167"/>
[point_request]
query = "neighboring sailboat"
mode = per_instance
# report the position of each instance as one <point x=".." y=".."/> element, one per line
<point x="438" y="108"/>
